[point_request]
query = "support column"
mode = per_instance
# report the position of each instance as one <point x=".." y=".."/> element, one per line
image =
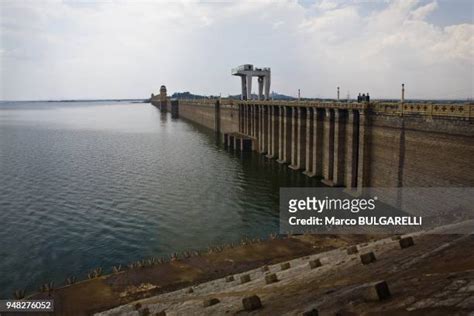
<point x="265" y="129"/>
<point x="362" y="167"/>
<point x="244" y="106"/>
<point x="243" y="80"/>
<point x="281" y="133"/>
<point x="237" y="143"/>
<point x="301" y="138"/>
<point x="352" y="147"/>
<point x="288" y="134"/>
<point x="309" y="142"/>
<point x="267" y="82"/>
<point x="263" y="113"/>
<point x="249" y="87"/>
<point x="254" y="121"/>
<point x="270" y="132"/>
<point x="300" y="132"/>
<point x="294" y="139"/>
<point x="260" y="88"/>
<point x="257" y="122"/>
<point x="240" y="122"/>
<point x="328" y="154"/>
<point x="339" y="131"/>
<point x="242" y="118"/>
<point x="249" y="120"/>
<point x="318" y="149"/>
<point x="286" y="115"/>
<point x="276" y="132"/>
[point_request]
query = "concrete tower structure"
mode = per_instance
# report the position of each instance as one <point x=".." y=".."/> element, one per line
<point x="246" y="73"/>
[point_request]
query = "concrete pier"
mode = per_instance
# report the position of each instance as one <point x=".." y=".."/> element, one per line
<point x="301" y="138"/>
<point x="317" y="143"/>
<point x="238" y="141"/>
<point x="352" y="147"/>
<point x="294" y="138"/>
<point x="339" y="147"/>
<point x="287" y="117"/>
<point x="309" y="142"/>
<point x="262" y="129"/>
<point x="275" y="131"/>
<point x="281" y="113"/>
<point x="328" y="147"/>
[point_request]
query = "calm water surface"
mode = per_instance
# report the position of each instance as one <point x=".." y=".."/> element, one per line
<point x="88" y="184"/>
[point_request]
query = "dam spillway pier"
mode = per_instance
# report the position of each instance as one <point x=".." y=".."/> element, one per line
<point x="238" y="141"/>
<point x="324" y="140"/>
<point x="348" y="144"/>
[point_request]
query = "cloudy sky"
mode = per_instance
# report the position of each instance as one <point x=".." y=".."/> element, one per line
<point x="123" y="49"/>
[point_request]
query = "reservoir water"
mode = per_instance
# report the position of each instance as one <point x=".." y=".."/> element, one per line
<point x="97" y="184"/>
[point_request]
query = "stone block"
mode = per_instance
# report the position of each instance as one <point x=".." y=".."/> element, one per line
<point x="190" y="290"/>
<point x="315" y="264"/>
<point x="367" y="258"/>
<point x="378" y="291"/>
<point x="244" y="278"/>
<point x="312" y="312"/>
<point x="265" y="269"/>
<point x="251" y="303"/>
<point x="271" y="278"/>
<point x="406" y="242"/>
<point x="352" y="250"/>
<point x="229" y="278"/>
<point x="144" y="312"/>
<point x="210" y="302"/>
<point x="396" y="237"/>
<point x="285" y="266"/>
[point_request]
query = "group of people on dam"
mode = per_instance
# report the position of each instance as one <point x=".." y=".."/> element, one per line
<point x="363" y="98"/>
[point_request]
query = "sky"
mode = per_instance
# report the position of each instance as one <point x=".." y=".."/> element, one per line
<point x="53" y="50"/>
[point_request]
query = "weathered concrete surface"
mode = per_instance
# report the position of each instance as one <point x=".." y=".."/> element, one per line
<point x="354" y="145"/>
<point x="204" y="113"/>
<point x="435" y="277"/>
<point x="90" y="296"/>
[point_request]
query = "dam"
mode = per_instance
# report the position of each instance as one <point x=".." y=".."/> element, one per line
<point x="346" y="143"/>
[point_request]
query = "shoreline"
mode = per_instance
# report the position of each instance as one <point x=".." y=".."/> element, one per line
<point x="150" y="277"/>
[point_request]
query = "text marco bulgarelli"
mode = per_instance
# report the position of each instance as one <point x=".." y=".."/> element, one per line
<point x="354" y="206"/>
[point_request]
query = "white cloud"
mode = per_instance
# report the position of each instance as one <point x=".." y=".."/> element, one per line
<point x="423" y="11"/>
<point x="326" y="5"/>
<point x="128" y="49"/>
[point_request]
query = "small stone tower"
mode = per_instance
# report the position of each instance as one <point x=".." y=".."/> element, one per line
<point x="163" y="93"/>
<point x="163" y="98"/>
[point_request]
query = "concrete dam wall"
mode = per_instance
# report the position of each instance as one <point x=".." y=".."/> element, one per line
<point x="352" y="145"/>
